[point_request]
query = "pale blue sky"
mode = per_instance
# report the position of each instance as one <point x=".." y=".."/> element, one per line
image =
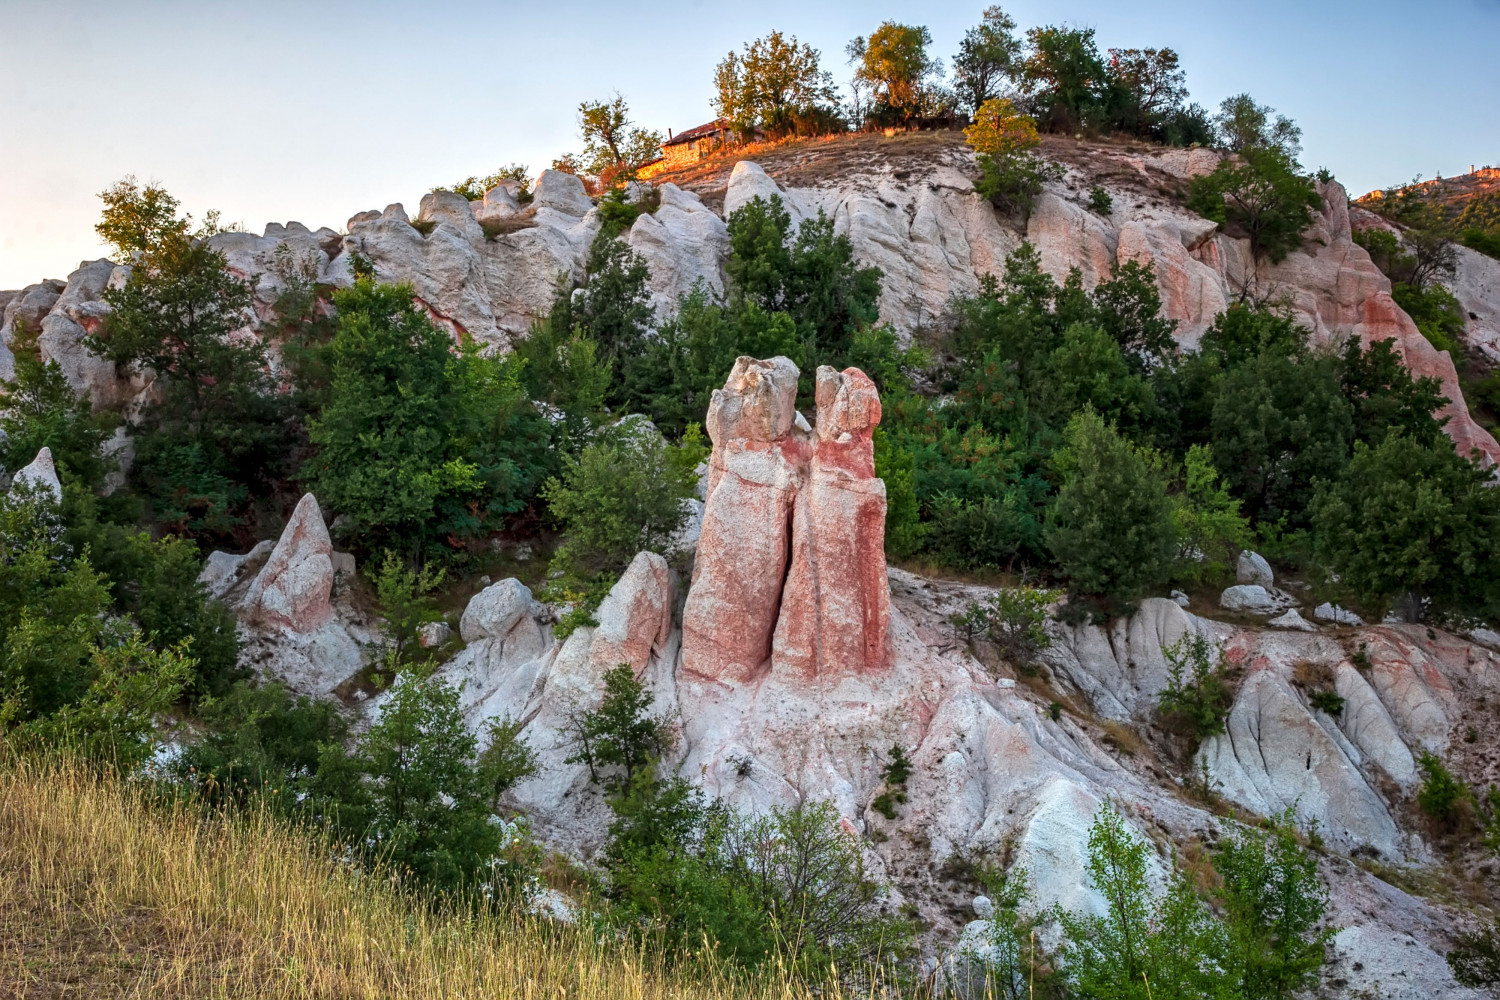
<point x="313" y="110"/>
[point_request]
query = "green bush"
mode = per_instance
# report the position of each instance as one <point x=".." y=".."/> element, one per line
<point x="418" y="446"/>
<point x="623" y="494"/>
<point x="1442" y="795"/>
<point x="1015" y="620"/>
<point x="1012" y="181"/>
<point x="1261" y="196"/>
<point x="43" y="411"/>
<point x="1476" y="959"/>
<point x="1197" y="698"/>
<point x="402" y="594"/>
<point x="1437" y="314"/>
<point x="1100" y="203"/>
<point x="1210" y="530"/>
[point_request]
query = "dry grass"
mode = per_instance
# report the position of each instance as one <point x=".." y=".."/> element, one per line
<point x="103" y="894"/>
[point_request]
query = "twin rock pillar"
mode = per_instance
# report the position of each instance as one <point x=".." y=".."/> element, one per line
<point x="790" y="574"/>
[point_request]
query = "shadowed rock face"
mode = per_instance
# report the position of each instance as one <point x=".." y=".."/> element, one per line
<point x="790" y="572"/>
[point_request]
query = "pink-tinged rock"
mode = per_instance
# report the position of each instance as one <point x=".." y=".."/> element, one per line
<point x="1191" y="291"/>
<point x="293" y="589"/>
<point x="753" y="476"/>
<point x="635" y="619"/>
<point x="835" y="609"/>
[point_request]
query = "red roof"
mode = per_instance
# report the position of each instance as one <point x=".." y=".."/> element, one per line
<point x="713" y="128"/>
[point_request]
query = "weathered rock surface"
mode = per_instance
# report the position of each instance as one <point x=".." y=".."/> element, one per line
<point x="293" y="589"/>
<point x="1251" y="567"/>
<point x="494" y="611"/>
<point x="1252" y="598"/>
<point x="40" y="475"/>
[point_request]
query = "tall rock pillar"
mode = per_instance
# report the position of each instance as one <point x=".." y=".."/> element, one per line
<point x="836" y="605"/>
<point x="754" y="474"/>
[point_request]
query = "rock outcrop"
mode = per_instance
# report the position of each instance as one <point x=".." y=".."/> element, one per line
<point x="40" y="475"/>
<point x="790" y="572"/>
<point x="293" y="589"/>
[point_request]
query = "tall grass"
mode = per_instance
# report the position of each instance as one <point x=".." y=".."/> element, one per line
<point x="107" y="892"/>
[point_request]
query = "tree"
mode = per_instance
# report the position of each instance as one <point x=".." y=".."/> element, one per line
<point x="1210" y="530"/>
<point x="623" y="494"/>
<point x="1259" y="196"/>
<point x="620" y="734"/>
<point x="895" y="64"/>
<point x="1010" y="175"/>
<point x="1273" y="903"/>
<point x="420" y="787"/>
<point x="473" y="188"/>
<point x="988" y="55"/>
<point x="1146" y="90"/>
<point x="1110" y="528"/>
<point x="811" y="276"/>
<point x="1145" y="946"/>
<point x="775" y="84"/>
<point x="1242" y="125"/>
<point x="613" y="145"/>
<point x="1065" y="78"/>
<point x="219" y="427"/>
<point x="1405" y="517"/>
<point x="418" y="445"/>
<point x="43" y="411"/>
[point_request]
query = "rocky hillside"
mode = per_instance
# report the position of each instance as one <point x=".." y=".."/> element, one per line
<point x="793" y="654"/>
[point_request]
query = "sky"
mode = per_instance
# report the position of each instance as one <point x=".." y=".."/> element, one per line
<point x="316" y="109"/>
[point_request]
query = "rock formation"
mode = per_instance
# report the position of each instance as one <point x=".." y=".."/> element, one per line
<point x="293" y="589"/>
<point x="790" y="571"/>
<point x="40" y="475"/>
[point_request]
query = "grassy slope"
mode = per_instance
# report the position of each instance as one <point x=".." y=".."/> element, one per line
<point x="105" y="895"/>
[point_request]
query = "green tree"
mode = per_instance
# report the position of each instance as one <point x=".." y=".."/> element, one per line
<point x="1210" y="530"/>
<point x="43" y="411"/>
<point x="1404" y="517"/>
<point x="1065" y="78"/>
<point x="613" y="145"/>
<point x="622" y="494"/>
<point x="619" y="735"/>
<point x="418" y="444"/>
<point x="1110" y="528"/>
<point x="988" y="55"/>
<point x="219" y="428"/>
<point x="402" y="593"/>
<point x="1260" y="196"/>
<point x="419" y="788"/>
<point x="1145" y="946"/>
<point x="1197" y="699"/>
<point x="1273" y="904"/>
<point x="775" y="84"/>
<point x="1242" y="124"/>
<point x="1146" y="90"/>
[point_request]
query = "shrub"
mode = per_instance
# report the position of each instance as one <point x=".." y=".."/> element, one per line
<point x="1437" y="314"/>
<point x="418" y="446"/>
<point x="1013" y="964"/>
<point x="623" y="494"/>
<point x="1441" y="796"/>
<point x="43" y="411"/>
<point x="897" y="772"/>
<point x="1260" y="196"/>
<point x="1012" y="181"/>
<point x="404" y="604"/>
<point x="473" y="188"/>
<point x="1197" y="699"/>
<point x="619" y="735"/>
<point x="1210" y="530"/>
<point x="1404" y="517"/>
<point x="1476" y="959"/>
<point x="1015" y="620"/>
<point x="1100" y="203"/>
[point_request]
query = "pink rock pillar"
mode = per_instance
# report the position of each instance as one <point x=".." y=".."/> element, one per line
<point x="754" y="475"/>
<point x="835" y="607"/>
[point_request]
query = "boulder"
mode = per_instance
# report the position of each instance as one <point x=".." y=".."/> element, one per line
<point x="1253" y="568"/>
<point x="41" y="475"/>
<point x="499" y="202"/>
<point x="1292" y="620"/>
<point x="635" y="618"/>
<point x="1249" y="597"/>
<point x="293" y="589"/>
<point x="434" y="634"/>
<point x="495" y="610"/>
<point x="561" y="192"/>
<point x="447" y="208"/>
<point x="1327" y="612"/>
